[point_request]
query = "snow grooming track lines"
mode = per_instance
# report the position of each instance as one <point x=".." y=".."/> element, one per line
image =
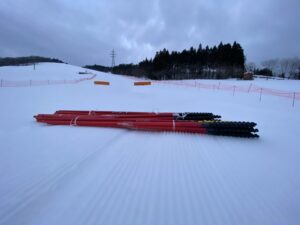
<point x="49" y="186"/>
<point x="169" y="122"/>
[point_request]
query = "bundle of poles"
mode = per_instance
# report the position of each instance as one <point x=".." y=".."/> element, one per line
<point x="190" y="122"/>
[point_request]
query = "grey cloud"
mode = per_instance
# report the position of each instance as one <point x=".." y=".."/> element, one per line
<point x="84" y="32"/>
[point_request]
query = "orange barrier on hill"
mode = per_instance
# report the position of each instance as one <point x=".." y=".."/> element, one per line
<point x="142" y="83"/>
<point x="101" y="83"/>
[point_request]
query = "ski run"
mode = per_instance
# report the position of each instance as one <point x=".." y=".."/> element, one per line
<point x="73" y="175"/>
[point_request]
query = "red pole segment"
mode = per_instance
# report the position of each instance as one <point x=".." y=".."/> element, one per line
<point x="136" y="121"/>
<point x="170" y="116"/>
<point x="85" y="112"/>
<point x="192" y="127"/>
<point x="101" y="117"/>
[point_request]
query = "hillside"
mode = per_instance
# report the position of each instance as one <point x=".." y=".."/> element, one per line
<point x="82" y="175"/>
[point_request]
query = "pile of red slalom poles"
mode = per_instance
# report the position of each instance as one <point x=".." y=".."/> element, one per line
<point x="202" y="123"/>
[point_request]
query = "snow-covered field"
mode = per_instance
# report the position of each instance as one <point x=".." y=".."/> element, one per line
<point x="82" y="175"/>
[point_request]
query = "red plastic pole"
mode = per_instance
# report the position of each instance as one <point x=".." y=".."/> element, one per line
<point x="85" y="112"/>
<point x="138" y="121"/>
<point x="192" y="127"/>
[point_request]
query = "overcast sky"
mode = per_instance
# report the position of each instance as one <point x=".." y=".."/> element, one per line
<point x="85" y="31"/>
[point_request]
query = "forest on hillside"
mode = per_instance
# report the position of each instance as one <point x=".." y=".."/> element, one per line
<point x="15" y="61"/>
<point x="217" y="62"/>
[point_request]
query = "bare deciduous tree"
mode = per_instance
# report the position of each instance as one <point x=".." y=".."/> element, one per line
<point x="250" y="66"/>
<point x="294" y="66"/>
<point x="271" y="64"/>
<point x="284" y="66"/>
<point x="287" y="67"/>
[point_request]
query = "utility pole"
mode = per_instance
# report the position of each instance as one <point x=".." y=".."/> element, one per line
<point x="113" y="56"/>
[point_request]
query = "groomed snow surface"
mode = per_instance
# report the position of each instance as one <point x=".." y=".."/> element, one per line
<point x="68" y="175"/>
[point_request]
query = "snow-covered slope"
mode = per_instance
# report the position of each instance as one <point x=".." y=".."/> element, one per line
<point x="82" y="175"/>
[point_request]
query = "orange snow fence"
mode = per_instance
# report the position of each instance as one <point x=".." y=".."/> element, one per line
<point x="101" y="83"/>
<point x="142" y="83"/>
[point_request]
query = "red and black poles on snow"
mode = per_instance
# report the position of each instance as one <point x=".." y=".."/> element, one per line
<point x="143" y="115"/>
<point x="203" y="123"/>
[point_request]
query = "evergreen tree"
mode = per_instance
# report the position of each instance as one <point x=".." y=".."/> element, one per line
<point x="222" y="61"/>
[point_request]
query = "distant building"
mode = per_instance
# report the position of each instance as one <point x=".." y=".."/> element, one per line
<point x="248" y="76"/>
